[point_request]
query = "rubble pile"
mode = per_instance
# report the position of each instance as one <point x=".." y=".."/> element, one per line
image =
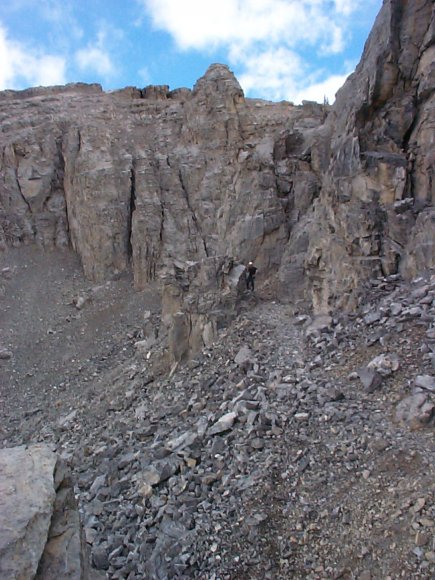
<point x="292" y="447"/>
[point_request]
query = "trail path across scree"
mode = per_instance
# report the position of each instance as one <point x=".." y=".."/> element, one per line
<point x="344" y="483"/>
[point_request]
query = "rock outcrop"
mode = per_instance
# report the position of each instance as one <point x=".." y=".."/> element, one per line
<point x="375" y="211"/>
<point x="40" y="533"/>
<point x="197" y="300"/>
<point x="321" y="199"/>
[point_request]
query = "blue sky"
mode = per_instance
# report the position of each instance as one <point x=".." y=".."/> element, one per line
<point x="278" y="49"/>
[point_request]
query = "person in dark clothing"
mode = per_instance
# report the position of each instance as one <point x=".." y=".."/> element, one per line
<point x="251" y="270"/>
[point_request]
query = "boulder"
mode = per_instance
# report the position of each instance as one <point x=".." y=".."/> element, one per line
<point x="40" y="532"/>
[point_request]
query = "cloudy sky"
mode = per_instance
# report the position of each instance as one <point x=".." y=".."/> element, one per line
<point x="278" y="49"/>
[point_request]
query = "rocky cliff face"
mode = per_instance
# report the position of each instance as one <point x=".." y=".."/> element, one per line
<point x="321" y="200"/>
<point x="153" y="176"/>
<point x="375" y="211"/>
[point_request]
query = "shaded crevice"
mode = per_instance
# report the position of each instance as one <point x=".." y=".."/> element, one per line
<point x="162" y="221"/>
<point x="58" y="175"/>
<point x="131" y="210"/>
<point x="20" y="191"/>
<point x="192" y="213"/>
<point x="62" y="185"/>
<point x="17" y="181"/>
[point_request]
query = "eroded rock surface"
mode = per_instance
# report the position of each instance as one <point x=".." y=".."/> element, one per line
<point x="154" y="177"/>
<point x="375" y="211"/>
<point x="40" y="530"/>
<point x="295" y="442"/>
<point x="198" y="299"/>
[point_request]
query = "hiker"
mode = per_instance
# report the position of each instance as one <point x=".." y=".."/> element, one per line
<point x="250" y="278"/>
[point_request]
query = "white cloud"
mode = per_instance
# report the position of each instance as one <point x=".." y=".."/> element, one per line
<point x="347" y="6"/>
<point x="281" y="75"/>
<point x="273" y="73"/>
<point x="334" y="44"/>
<point x="201" y="25"/>
<point x="64" y="24"/>
<point x="94" y="59"/>
<point x="322" y="90"/>
<point x="270" y="42"/>
<point x="96" y="56"/>
<point x="22" y="66"/>
<point x="144" y="76"/>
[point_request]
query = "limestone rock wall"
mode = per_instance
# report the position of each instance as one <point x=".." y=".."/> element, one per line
<point x="375" y="212"/>
<point x="148" y="177"/>
<point x="320" y="199"/>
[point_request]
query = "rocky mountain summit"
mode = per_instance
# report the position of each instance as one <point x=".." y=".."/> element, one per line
<point x="213" y="432"/>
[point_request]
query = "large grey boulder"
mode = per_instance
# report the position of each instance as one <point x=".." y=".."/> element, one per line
<point x="40" y="534"/>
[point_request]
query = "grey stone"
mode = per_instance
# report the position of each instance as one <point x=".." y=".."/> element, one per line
<point x="223" y="424"/>
<point x="370" y="378"/>
<point x="415" y="410"/>
<point x="384" y="364"/>
<point x="426" y="382"/>
<point x="100" y="558"/>
<point x="372" y="317"/>
<point x="98" y="483"/>
<point x="40" y="531"/>
<point x="395" y="308"/>
<point x="244" y="357"/>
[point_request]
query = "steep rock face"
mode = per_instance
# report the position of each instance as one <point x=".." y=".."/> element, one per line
<point x="153" y="176"/>
<point x="375" y="213"/>
<point x="321" y="200"/>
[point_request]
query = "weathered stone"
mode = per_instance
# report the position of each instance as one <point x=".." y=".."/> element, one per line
<point x="370" y="378"/>
<point x="40" y="533"/>
<point x="196" y="301"/>
<point x="244" y="358"/>
<point x="426" y="382"/>
<point x="100" y="558"/>
<point x="415" y="410"/>
<point x="223" y="424"/>
<point x="395" y="308"/>
<point x="384" y="364"/>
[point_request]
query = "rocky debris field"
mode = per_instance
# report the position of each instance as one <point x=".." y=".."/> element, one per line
<point x="294" y="447"/>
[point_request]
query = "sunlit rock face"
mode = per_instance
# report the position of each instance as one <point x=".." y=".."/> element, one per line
<point x="320" y="198"/>
<point x="375" y="212"/>
<point x="153" y="176"/>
